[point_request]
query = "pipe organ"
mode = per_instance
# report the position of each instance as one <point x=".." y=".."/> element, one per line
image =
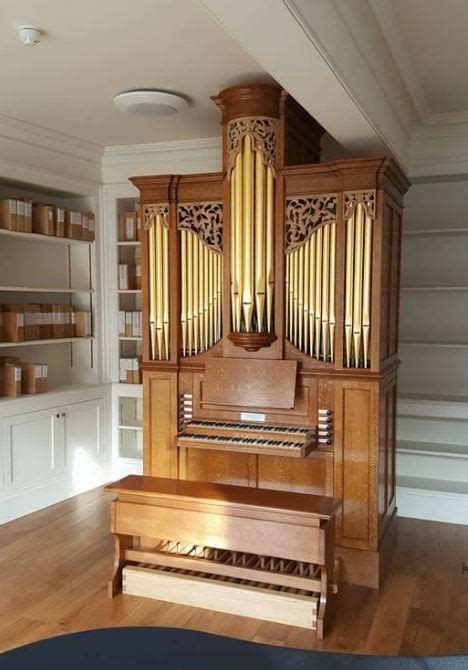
<point x="270" y="293"/>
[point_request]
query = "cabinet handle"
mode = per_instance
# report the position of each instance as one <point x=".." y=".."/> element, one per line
<point x="63" y="414"/>
<point x="57" y="416"/>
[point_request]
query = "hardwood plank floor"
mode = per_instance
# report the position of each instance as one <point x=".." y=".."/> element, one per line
<point x="54" y="565"/>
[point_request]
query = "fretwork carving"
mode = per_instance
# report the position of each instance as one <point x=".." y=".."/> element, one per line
<point x="352" y="198"/>
<point x="264" y="133"/>
<point x="205" y="219"/>
<point x="305" y="214"/>
<point x="150" y="212"/>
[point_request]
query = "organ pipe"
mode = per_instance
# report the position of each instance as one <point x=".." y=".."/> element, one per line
<point x="358" y="280"/>
<point x="252" y="240"/>
<point x="201" y="290"/>
<point x="310" y="294"/>
<point x="158" y="248"/>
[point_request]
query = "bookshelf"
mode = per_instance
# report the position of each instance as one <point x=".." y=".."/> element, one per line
<point x="39" y="269"/>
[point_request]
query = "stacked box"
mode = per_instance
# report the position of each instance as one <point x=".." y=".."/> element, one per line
<point x="126" y="277"/>
<point x="92" y="226"/>
<point x="33" y="377"/>
<point x="32" y="322"/>
<point x="20" y="215"/>
<point x="28" y="215"/>
<point x="129" y="370"/>
<point x="43" y="219"/>
<point x="59" y="221"/>
<point x="12" y="323"/>
<point x="83" y="324"/>
<point x="73" y="224"/>
<point x="9" y="213"/>
<point x="128" y="227"/>
<point x="138" y="267"/>
<point x="10" y="377"/>
<point x="139" y="227"/>
<point x="130" y="324"/>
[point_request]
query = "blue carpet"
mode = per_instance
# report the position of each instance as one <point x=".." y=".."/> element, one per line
<point x="175" y="649"/>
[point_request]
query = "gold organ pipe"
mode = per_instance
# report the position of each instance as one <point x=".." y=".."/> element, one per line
<point x="159" y="288"/>
<point x="165" y="292"/>
<point x="189" y="293"/>
<point x="239" y="240"/>
<point x="325" y="290"/>
<point x="291" y="295"/>
<point x="358" y="274"/>
<point x="300" y="295"/>
<point x="211" y="338"/>
<point x="234" y="289"/>
<point x="318" y="289"/>
<point x="348" y="321"/>
<point x="206" y="322"/>
<point x="260" y="288"/>
<point x="219" y="289"/>
<point x="201" y="295"/>
<point x="195" y="293"/>
<point x="234" y="248"/>
<point x="248" y="246"/>
<point x="270" y="251"/>
<point x="312" y="245"/>
<point x="366" y="309"/>
<point x="332" y="289"/>
<point x="294" y="296"/>
<point x="183" y="291"/>
<point x="310" y="294"/>
<point x="306" y="296"/>
<point x="286" y="295"/>
<point x="152" y="288"/>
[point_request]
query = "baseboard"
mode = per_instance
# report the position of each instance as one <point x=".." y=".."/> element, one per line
<point x="444" y="506"/>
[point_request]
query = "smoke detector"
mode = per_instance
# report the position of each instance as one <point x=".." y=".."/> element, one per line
<point x="150" y="102"/>
<point x="29" y="36"/>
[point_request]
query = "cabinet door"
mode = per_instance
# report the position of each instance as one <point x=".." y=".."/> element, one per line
<point x="83" y="426"/>
<point x="32" y="448"/>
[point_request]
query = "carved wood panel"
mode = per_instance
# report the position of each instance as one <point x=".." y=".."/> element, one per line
<point x="205" y="219"/>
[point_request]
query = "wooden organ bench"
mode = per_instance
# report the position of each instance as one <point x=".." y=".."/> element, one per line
<point x="258" y="553"/>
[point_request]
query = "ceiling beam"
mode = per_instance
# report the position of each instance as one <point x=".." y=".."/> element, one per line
<point x="310" y="49"/>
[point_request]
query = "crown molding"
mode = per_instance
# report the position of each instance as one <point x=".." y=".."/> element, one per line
<point x="38" y="136"/>
<point x="42" y="157"/>
<point x="175" y="157"/>
<point x="385" y="16"/>
<point x="439" y="149"/>
<point x="448" y="118"/>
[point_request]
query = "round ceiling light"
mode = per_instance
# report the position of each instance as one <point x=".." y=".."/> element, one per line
<point x="147" y="102"/>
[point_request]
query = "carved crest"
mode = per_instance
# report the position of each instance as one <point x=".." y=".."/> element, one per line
<point x="150" y="212"/>
<point x="205" y="219"/>
<point x="264" y="133"/>
<point x="304" y="214"/>
<point x="352" y="198"/>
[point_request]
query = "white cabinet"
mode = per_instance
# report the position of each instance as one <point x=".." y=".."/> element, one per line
<point x="31" y="450"/>
<point x="83" y="425"/>
<point x="43" y="444"/>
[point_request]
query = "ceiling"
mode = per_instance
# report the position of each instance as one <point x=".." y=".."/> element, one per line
<point x="95" y="49"/>
<point x="429" y="42"/>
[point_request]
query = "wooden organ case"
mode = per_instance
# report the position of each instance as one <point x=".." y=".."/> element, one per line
<point x="270" y="295"/>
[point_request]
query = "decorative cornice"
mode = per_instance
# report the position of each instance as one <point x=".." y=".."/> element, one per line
<point x="56" y="161"/>
<point x="385" y="16"/>
<point x="175" y="157"/>
<point x="33" y="135"/>
<point x="135" y="150"/>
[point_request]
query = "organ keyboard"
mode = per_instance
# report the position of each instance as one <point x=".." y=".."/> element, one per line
<point x="252" y="438"/>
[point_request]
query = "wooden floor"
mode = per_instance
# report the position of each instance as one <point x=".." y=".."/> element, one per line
<point x="54" y="565"/>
